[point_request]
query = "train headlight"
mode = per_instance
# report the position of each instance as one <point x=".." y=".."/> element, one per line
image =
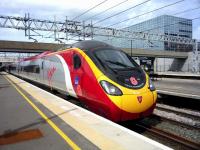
<point x="151" y="85"/>
<point x="110" y="88"/>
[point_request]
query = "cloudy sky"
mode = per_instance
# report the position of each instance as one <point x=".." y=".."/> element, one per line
<point x="59" y="9"/>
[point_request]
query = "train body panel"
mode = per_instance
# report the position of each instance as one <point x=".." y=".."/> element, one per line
<point x="118" y="91"/>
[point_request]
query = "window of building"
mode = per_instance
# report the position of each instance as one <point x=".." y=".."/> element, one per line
<point x="173" y="34"/>
<point x="184" y="36"/>
<point x="185" y="31"/>
<point x="185" y="23"/>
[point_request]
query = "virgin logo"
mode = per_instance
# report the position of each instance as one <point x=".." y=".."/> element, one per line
<point x="139" y="98"/>
<point x="50" y="73"/>
<point x="133" y="81"/>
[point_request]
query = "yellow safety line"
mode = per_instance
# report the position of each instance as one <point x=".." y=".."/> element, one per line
<point x="53" y="125"/>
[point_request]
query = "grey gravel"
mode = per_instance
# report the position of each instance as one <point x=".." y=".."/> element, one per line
<point x="175" y="128"/>
<point x="186" y="111"/>
<point x="177" y="118"/>
<point x="185" y="116"/>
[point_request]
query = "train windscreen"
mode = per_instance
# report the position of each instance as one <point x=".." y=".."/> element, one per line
<point x="115" y="59"/>
<point x="125" y="70"/>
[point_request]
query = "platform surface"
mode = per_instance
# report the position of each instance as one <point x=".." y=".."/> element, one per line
<point x="179" y="87"/>
<point x="25" y="109"/>
<point x="17" y="116"/>
<point x="180" y="74"/>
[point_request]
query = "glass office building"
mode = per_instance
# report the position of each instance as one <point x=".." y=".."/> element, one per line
<point x="163" y="25"/>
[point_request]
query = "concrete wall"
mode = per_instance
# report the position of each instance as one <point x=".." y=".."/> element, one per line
<point x="169" y="64"/>
<point x="175" y="64"/>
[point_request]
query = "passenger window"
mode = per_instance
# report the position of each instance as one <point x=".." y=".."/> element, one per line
<point x="77" y="62"/>
<point x="37" y="69"/>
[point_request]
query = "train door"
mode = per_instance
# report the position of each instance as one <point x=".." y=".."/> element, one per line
<point x="42" y="71"/>
<point x="77" y="73"/>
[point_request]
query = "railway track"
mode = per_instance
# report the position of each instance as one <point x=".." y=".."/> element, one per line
<point x="178" y="128"/>
<point x="187" y="117"/>
<point x="189" y="113"/>
<point x="173" y="137"/>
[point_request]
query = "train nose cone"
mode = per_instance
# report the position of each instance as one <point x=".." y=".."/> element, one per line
<point x="137" y="103"/>
<point x="133" y="78"/>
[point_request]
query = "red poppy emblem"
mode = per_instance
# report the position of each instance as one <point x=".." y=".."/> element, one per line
<point x="139" y="98"/>
<point x="133" y="81"/>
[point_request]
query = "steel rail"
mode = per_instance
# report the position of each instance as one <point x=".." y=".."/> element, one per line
<point x="168" y="135"/>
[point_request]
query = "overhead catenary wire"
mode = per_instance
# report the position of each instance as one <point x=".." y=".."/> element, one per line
<point x="48" y="35"/>
<point x="102" y="12"/>
<point x="89" y="9"/>
<point x="196" y="18"/>
<point x="121" y="12"/>
<point x="183" y="11"/>
<point x="187" y="10"/>
<point x="171" y="4"/>
<point x="45" y="36"/>
<point x="171" y="24"/>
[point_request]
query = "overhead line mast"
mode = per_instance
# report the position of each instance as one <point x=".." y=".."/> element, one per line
<point x="30" y="25"/>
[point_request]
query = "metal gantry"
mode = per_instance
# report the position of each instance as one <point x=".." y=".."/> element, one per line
<point x="32" y="26"/>
<point x="74" y="30"/>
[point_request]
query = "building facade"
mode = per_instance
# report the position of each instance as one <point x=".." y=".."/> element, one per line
<point x="163" y="25"/>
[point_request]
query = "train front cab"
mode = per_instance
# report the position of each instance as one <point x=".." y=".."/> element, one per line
<point x="132" y="104"/>
<point x="130" y="92"/>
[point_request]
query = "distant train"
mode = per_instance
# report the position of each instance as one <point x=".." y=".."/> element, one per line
<point x="105" y="79"/>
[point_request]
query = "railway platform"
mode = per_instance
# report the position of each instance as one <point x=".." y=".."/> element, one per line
<point x="32" y="118"/>
<point x="179" y="87"/>
<point x="179" y="75"/>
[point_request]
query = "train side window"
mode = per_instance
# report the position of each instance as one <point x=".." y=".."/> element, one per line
<point x="37" y="69"/>
<point x="76" y="61"/>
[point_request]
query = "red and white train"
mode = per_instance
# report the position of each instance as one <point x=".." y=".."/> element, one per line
<point x="104" y="78"/>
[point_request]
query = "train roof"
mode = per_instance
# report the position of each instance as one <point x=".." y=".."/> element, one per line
<point x="91" y="45"/>
<point x="87" y="45"/>
<point x="37" y="56"/>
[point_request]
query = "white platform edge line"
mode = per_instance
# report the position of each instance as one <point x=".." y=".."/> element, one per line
<point x="108" y="121"/>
